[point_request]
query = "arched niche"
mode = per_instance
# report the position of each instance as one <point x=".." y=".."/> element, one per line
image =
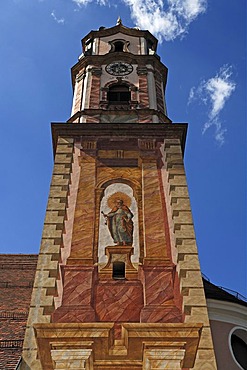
<point x="115" y="190"/>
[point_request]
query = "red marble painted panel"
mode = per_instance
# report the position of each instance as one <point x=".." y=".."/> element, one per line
<point x="158" y="286"/>
<point x="95" y="92"/>
<point x="159" y="95"/>
<point x="93" y="119"/>
<point x="143" y="91"/>
<point x="83" y="228"/>
<point x="145" y="117"/>
<point x="166" y="314"/>
<point x="119" y="301"/>
<point x="77" y="106"/>
<point x="77" y="285"/>
<point x="74" y="314"/>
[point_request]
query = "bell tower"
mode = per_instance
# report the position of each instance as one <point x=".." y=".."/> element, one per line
<point x="119" y="78"/>
<point x="118" y="282"/>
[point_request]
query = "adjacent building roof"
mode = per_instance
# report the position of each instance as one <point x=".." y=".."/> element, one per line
<point x="16" y="280"/>
<point x="222" y="294"/>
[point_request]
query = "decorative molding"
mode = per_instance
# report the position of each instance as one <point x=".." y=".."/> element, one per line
<point x="142" y="70"/>
<point x="89" y="145"/>
<point x="147" y="144"/>
<point x="229" y="312"/>
<point x="96" y="71"/>
<point x="136" y="338"/>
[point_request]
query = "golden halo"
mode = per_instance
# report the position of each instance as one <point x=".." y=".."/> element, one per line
<point x="118" y="195"/>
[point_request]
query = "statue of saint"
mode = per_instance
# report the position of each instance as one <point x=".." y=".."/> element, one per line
<point x="120" y="224"/>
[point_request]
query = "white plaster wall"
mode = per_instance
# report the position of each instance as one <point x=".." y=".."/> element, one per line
<point x="134" y="43"/>
<point x="106" y="77"/>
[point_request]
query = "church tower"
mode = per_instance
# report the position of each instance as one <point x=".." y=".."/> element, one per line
<point x="118" y="282"/>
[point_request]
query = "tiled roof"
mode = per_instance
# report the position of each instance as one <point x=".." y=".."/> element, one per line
<point x="221" y="294"/>
<point x="9" y="358"/>
<point x="16" y="280"/>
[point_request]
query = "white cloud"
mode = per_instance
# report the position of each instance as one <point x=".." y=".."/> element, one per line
<point x="85" y="2"/>
<point x="167" y="20"/>
<point x="59" y="21"/>
<point x="214" y="93"/>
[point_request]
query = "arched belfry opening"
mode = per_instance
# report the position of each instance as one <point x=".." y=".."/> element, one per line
<point x="119" y="94"/>
<point x="118" y="46"/>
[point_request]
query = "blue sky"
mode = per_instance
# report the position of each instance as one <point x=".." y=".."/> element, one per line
<point x="203" y="44"/>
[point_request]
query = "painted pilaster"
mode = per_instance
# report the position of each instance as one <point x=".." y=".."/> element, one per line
<point x="86" y="89"/>
<point x="154" y="230"/>
<point x="77" y="98"/>
<point x="143" y="46"/>
<point x="95" y="88"/>
<point x="143" y="87"/>
<point x="151" y="88"/>
<point x="83" y="232"/>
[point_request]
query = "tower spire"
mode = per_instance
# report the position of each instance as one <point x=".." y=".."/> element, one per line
<point x="119" y="21"/>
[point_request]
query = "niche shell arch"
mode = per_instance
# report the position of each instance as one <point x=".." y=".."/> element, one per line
<point x="105" y="238"/>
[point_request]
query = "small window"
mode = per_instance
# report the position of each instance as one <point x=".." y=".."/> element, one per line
<point x="238" y="346"/>
<point x="150" y="47"/>
<point x="119" y="94"/>
<point x="118" y="46"/>
<point x="118" y="270"/>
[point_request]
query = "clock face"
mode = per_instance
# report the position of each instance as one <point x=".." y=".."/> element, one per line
<point x="119" y="68"/>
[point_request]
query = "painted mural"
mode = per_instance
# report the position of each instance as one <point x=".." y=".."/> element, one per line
<point x="119" y="220"/>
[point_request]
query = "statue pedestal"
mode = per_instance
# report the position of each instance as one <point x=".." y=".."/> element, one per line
<point x="119" y="265"/>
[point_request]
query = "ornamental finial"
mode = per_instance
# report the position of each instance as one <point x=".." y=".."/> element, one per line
<point x="119" y="21"/>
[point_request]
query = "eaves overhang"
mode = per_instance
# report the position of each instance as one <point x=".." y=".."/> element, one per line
<point x="158" y="131"/>
<point x="104" y="32"/>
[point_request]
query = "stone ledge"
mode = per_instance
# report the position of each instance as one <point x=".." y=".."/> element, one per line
<point x="40" y="298"/>
<point x="190" y="263"/>
<point x="187" y="246"/>
<point x="43" y="280"/>
<point x="46" y="262"/>
<point x="36" y="314"/>
<point x="56" y="204"/>
<point x="50" y="231"/>
<point x="179" y="192"/>
<point x="63" y="158"/>
<point x="182" y="217"/>
<point x="192" y="279"/>
<point x="53" y="217"/>
<point x="60" y="180"/>
<point x="178" y="180"/>
<point x="58" y="192"/>
<point x="61" y="169"/>
<point x="64" y="149"/>
<point x="172" y="142"/>
<point x="197" y="314"/>
<point x="49" y="246"/>
<point x="180" y="204"/>
<point x="64" y="140"/>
